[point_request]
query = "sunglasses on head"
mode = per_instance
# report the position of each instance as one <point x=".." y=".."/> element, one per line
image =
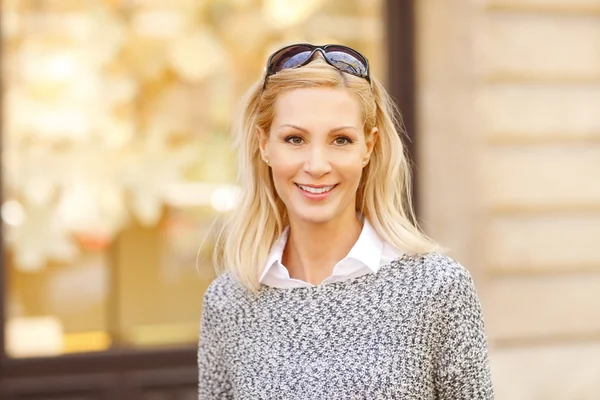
<point x="340" y="57"/>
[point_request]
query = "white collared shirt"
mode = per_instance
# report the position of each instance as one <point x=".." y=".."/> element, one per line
<point x="367" y="255"/>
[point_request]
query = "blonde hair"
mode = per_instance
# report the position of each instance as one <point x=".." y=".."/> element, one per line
<point x="383" y="195"/>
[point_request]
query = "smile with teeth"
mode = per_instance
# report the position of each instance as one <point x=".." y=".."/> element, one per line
<point x="316" y="190"/>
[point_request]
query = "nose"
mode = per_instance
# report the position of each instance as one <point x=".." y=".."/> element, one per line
<point x="317" y="162"/>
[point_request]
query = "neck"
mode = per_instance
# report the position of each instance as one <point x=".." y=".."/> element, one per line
<point x="313" y="250"/>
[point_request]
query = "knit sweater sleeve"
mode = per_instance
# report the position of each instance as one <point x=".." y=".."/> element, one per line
<point x="213" y="380"/>
<point x="463" y="370"/>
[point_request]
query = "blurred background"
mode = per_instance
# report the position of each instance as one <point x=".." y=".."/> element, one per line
<point x="116" y="160"/>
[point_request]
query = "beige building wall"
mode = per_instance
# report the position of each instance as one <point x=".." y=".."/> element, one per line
<point x="509" y="169"/>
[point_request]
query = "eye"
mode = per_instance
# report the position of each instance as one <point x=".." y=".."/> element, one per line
<point x="342" y="140"/>
<point x="294" y="140"/>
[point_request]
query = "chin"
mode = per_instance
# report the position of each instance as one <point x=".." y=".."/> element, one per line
<point x="316" y="217"/>
<point x="316" y="220"/>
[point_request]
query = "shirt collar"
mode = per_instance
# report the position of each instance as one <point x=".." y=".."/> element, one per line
<point x="276" y="253"/>
<point x="367" y="249"/>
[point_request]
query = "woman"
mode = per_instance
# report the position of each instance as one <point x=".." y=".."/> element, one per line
<point x="330" y="290"/>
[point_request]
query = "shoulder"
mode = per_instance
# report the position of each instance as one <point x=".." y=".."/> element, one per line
<point x="443" y="267"/>
<point x="222" y="293"/>
<point x="439" y="274"/>
<point x="451" y="287"/>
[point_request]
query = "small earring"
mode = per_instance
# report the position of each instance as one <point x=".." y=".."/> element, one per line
<point x="364" y="163"/>
<point x="267" y="161"/>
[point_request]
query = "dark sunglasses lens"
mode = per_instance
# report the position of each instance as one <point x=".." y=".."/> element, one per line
<point x="290" y="58"/>
<point x="347" y="61"/>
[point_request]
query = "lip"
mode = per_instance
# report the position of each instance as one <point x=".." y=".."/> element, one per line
<point x="316" y="196"/>
<point x="315" y="186"/>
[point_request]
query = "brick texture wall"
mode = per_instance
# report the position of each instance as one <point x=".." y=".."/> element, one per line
<point x="509" y="169"/>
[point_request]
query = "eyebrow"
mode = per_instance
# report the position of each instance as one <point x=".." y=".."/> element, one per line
<point x="306" y="130"/>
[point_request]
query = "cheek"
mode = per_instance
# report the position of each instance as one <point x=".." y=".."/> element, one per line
<point x="281" y="168"/>
<point x="351" y="170"/>
<point x="283" y="173"/>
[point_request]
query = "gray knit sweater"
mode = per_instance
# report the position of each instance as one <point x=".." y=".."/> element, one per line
<point x="412" y="330"/>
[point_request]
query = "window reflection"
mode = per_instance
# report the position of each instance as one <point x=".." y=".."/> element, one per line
<point x="117" y="159"/>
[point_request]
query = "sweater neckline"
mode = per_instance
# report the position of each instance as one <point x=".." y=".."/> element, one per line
<point x="398" y="262"/>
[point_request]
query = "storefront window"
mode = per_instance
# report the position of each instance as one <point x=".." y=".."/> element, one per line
<point x="117" y="160"/>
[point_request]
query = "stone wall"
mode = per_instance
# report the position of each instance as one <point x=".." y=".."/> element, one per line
<point x="509" y="175"/>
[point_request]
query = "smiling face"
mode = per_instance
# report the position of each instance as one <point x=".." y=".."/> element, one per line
<point x="317" y="149"/>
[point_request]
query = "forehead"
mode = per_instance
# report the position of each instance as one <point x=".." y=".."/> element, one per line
<point x="321" y="106"/>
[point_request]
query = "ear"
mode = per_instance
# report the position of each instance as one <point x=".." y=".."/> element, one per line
<point x="371" y="140"/>
<point x="262" y="137"/>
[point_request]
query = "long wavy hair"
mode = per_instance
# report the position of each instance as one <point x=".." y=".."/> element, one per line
<point x="383" y="195"/>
